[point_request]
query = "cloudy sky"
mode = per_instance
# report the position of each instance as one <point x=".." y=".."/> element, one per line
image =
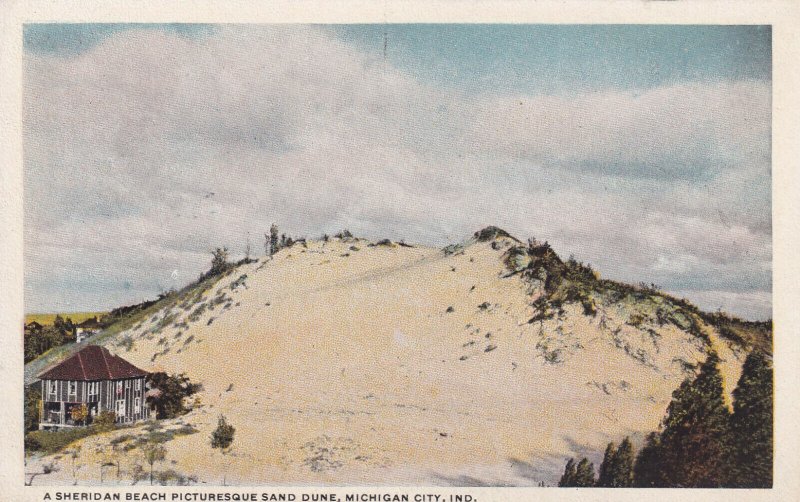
<point x="642" y="150"/>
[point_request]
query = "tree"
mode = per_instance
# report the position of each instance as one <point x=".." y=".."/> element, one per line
<point x="580" y="475"/>
<point x="568" y="478"/>
<point x="273" y="239"/>
<point x="74" y="454"/>
<point x="154" y="452"/>
<point x="222" y="437"/>
<point x="46" y="469"/>
<point x="79" y="413"/>
<point x="33" y="398"/>
<point x="622" y="466"/>
<point x="604" y="478"/>
<point x="695" y="431"/>
<point x="219" y="261"/>
<point x="751" y="439"/>
<point x="584" y="473"/>
<point x="169" y="393"/>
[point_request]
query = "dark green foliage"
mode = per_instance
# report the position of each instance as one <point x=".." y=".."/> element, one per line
<point x="752" y="425"/>
<point x="604" y="478"/>
<point x="568" y="478"/>
<point x="50" y="442"/>
<point x="32" y="397"/>
<point x="39" y="341"/>
<point x="219" y="261"/>
<point x="621" y="468"/>
<point x="580" y="475"/>
<point x="584" y="474"/>
<point x="222" y="437"/>
<point x="173" y="389"/>
<point x="695" y="431"/>
<point x="648" y="470"/>
<point x="273" y="239"/>
<point x="490" y="234"/>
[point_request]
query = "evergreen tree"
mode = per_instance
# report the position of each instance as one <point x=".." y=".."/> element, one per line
<point x="695" y="431"/>
<point x="751" y="440"/>
<point x="273" y="239"/>
<point x="222" y="438"/>
<point x="219" y="261"/>
<point x="584" y="473"/>
<point x="622" y="465"/>
<point x="647" y="470"/>
<point x="568" y="478"/>
<point x="605" y="478"/>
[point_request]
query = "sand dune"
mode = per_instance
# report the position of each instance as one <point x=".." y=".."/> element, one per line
<point x="343" y="363"/>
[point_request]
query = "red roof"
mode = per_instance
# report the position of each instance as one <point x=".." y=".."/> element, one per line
<point x="93" y="363"/>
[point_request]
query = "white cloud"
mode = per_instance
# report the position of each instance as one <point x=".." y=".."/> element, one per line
<point x="125" y="144"/>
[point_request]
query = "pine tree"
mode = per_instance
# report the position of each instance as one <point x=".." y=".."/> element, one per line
<point x="622" y="466"/>
<point x="647" y="470"/>
<point x="751" y="440"/>
<point x="568" y="478"/>
<point x="605" y="478"/>
<point x="273" y="239"/>
<point x="584" y="473"/>
<point x="222" y="438"/>
<point x="695" y="431"/>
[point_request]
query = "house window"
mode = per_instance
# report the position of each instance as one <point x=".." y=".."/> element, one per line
<point x="53" y="387"/>
<point x="139" y="384"/>
<point x="127" y="384"/>
<point x="119" y="387"/>
<point x="73" y="388"/>
<point x="120" y="408"/>
<point x="136" y="405"/>
<point x="94" y="390"/>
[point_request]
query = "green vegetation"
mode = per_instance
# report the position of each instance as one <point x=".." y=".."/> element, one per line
<point x="616" y="471"/>
<point x="54" y="441"/>
<point x="700" y="444"/>
<point x="555" y="283"/>
<point x="168" y="401"/>
<point x="40" y="339"/>
<point x="581" y="476"/>
<point x="33" y="396"/>
<point x="222" y="438"/>
<point x="751" y="425"/>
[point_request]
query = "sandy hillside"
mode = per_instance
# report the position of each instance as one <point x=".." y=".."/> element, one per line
<point x="349" y="363"/>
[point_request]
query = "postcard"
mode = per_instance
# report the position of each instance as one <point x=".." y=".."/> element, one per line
<point x="370" y="253"/>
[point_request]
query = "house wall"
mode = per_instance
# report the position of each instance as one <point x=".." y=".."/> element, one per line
<point x="108" y="394"/>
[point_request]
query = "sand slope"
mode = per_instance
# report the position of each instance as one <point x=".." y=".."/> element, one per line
<point x="343" y="363"/>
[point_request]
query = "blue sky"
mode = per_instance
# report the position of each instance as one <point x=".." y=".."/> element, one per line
<point x="644" y="150"/>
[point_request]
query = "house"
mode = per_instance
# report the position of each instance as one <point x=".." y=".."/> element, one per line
<point x="96" y="379"/>
<point x="86" y="328"/>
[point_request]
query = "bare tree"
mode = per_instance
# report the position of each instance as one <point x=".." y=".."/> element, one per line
<point x="46" y="469"/>
<point x="154" y="452"/>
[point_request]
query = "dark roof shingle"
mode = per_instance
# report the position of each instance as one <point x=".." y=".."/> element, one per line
<point x="92" y="363"/>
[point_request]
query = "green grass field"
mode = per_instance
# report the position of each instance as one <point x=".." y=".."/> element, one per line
<point x="47" y="319"/>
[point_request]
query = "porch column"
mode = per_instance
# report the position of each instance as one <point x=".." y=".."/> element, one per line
<point x="61" y="412"/>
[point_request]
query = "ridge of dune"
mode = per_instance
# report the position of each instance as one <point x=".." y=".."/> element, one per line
<point x="343" y="362"/>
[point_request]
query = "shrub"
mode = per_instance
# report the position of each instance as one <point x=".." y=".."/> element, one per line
<point x="222" y="437"/>
<point x="105" y="420"/>
<point x="168" y="402"/>
<point x="50" y="442"/>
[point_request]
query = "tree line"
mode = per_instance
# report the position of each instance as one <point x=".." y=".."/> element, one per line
<point x="700" y="444"/>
